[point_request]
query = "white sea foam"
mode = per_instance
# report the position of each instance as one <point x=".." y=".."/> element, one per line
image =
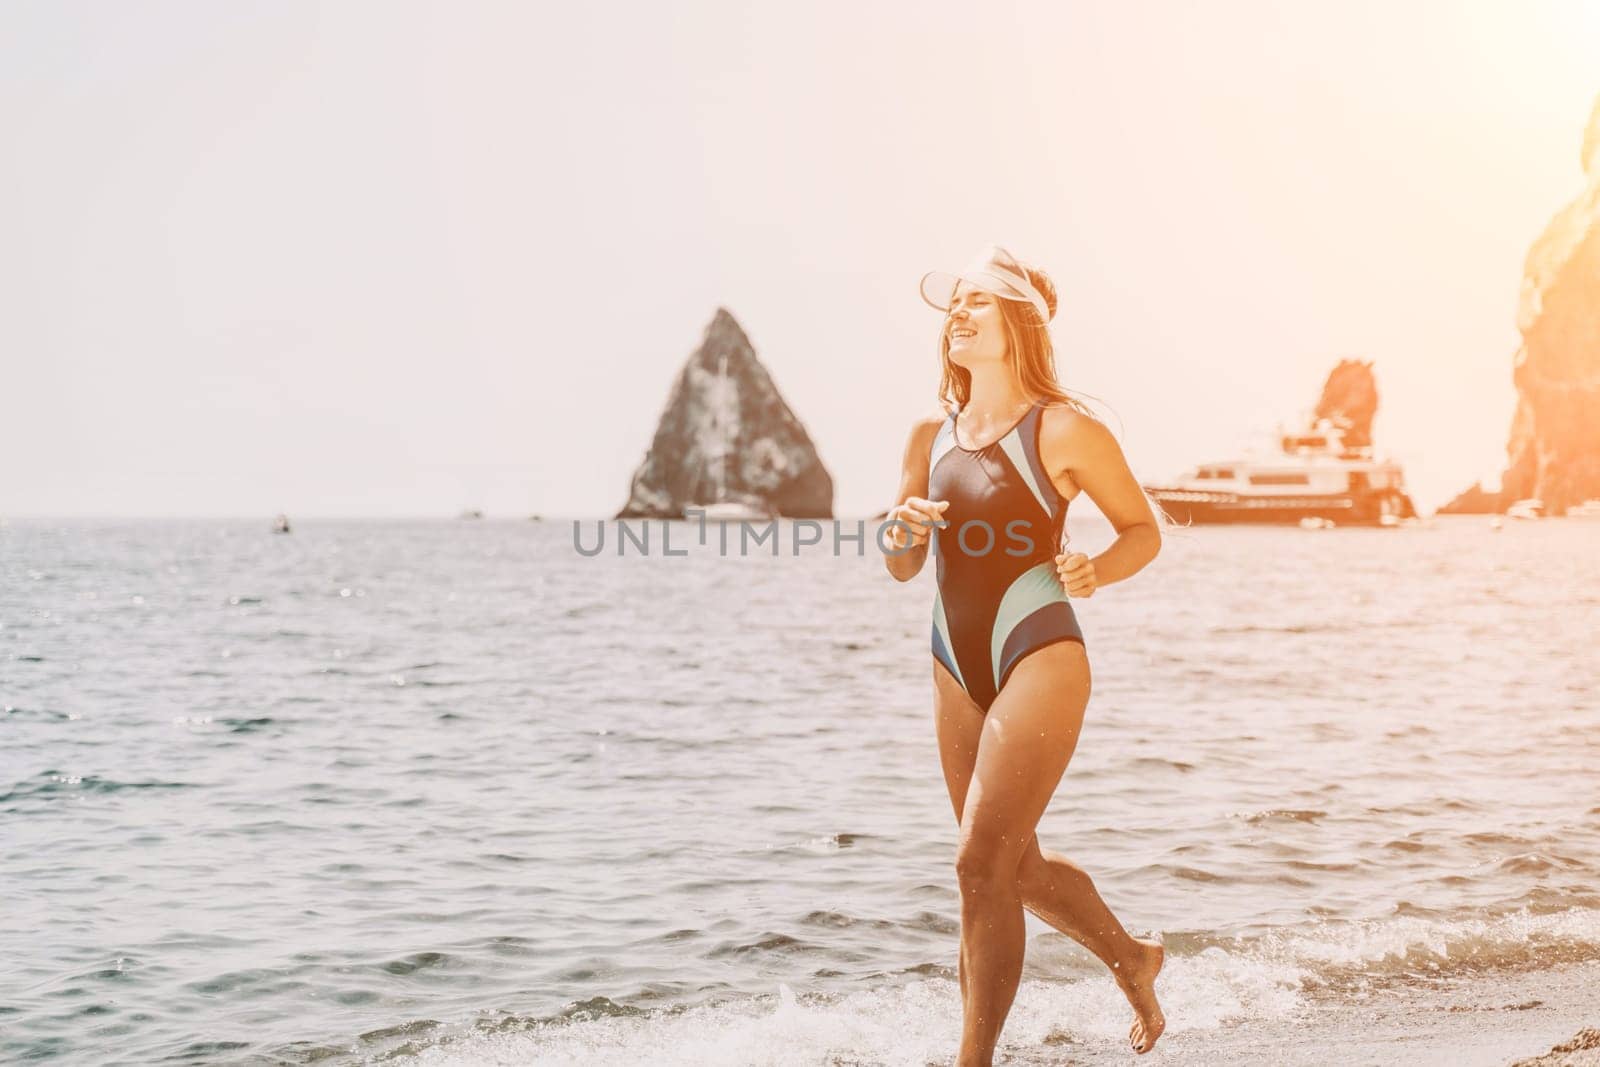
<point x="1269" y="979"/>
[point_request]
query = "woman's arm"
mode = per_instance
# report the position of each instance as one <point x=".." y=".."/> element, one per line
<point x="1083" y="448"/>
<point x="905" y="564"/>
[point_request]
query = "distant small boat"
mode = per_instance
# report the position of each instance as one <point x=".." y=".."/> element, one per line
<point x="729" y="511"/>
<point x="1531" y="508"/>
<point x="1589" y="509"/>
<point x="1316" y="522"/>
<point x="280" y="524"/>
<point x="471" y="513"/>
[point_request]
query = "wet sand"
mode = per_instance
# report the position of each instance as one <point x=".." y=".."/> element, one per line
<point x="1493" y="1021"/>
<point x="1580" y="1050"/>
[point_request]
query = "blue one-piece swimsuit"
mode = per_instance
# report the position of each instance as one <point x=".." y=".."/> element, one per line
<point x="995" y="606"/>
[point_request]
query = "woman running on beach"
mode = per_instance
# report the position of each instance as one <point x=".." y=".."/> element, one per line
<point x="989" y="485"/>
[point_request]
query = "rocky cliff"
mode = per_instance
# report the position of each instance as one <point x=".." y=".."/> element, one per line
<point x="1350" y="395"/>
<point x="726" y="436"/>
<point x="1554" y="448"/>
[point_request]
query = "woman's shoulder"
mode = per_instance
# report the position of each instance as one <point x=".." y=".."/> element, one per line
<point x="923" y="432"/>
<point x="1066" y="430"/>
<point x="928" y="422"/>
<point x="1061" y="416"/>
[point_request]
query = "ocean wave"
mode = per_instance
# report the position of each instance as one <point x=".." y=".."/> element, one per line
<point x="1208" y="982"/>
<point x="47" y="784"/>
<point x="909" y="1024"/>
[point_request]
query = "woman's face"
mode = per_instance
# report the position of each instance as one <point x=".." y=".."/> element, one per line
<point x="974" y="327"/>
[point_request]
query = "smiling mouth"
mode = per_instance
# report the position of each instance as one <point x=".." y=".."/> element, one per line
<point x="962" y="334"/>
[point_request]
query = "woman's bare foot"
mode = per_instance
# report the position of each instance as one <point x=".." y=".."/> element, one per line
<point x="1139" y="986"/>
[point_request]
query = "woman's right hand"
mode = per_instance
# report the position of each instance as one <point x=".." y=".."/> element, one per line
<point x="919" y="515"/>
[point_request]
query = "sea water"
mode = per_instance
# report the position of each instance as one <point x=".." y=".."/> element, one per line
<point x="454" y="792"/>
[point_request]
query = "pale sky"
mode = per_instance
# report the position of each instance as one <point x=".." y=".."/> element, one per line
<point x="402" y="259"/>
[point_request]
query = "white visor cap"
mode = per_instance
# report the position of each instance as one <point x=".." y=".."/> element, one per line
<point x="995" y="271"/>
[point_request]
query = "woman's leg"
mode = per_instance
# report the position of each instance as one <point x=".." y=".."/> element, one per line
<point x="1028" y="737"/>
<point x="1063" y="895"/>
<point x="958" y="723"/>
<point x="1050" y="885"/>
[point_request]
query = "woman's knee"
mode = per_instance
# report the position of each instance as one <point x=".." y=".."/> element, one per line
<point x="983" y="865"/>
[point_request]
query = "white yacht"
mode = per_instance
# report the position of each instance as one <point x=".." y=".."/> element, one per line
<point x="1309" y="474"/>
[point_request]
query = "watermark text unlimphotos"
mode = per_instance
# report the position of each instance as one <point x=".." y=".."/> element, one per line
<point x="742" y="537"/>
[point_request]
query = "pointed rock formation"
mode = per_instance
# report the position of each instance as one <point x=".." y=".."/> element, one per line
<point x="1350" y="396"/>
<point x="1554" y="450"/>
<point x="726" y="436"/>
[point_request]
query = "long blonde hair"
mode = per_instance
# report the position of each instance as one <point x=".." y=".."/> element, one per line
<point x="1032" y="358"/>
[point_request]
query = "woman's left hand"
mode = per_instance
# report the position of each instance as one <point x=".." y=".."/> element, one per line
<point x="1076" y="573"/>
